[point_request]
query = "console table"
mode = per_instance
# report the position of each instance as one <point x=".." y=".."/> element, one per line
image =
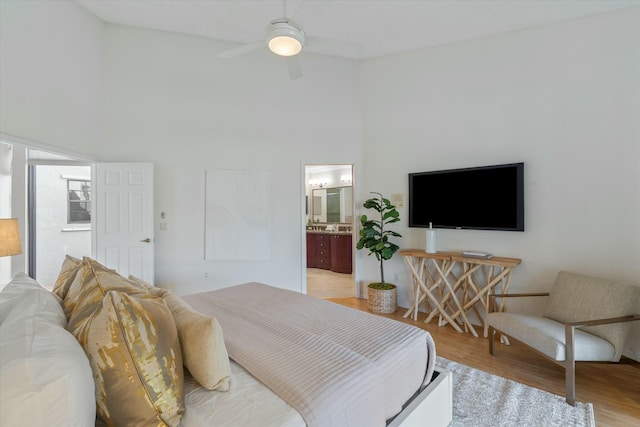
<point x="451" y="285"/>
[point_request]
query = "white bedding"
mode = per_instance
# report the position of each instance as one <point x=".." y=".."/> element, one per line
<point x="329" y="362"/>
<point x="248" y="403"/>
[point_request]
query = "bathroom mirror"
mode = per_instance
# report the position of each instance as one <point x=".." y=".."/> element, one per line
<point x="332" y="205"/>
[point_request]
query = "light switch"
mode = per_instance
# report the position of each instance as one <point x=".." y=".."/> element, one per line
<point x="163" y="226"/>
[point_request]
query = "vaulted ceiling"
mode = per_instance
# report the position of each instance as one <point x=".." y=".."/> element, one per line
<point x="356" y="29"/>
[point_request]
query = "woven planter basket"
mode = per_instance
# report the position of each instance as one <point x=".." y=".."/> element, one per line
<point x="382" y="301"/>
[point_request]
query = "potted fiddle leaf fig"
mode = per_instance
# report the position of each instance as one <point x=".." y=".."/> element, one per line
<point x="381" y="296"/>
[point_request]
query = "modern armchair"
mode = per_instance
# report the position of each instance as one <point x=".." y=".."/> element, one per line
<point x="585" y="319"/>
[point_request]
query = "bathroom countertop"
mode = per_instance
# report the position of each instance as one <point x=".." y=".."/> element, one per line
<point x="329" y="232"/>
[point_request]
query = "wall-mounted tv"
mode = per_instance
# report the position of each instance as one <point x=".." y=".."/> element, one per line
<point x="479" y="198"/>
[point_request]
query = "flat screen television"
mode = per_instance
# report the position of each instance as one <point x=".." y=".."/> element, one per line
<point x="479" y="198"/>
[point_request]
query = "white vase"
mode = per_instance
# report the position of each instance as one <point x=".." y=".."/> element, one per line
<point x="430" y="244"/>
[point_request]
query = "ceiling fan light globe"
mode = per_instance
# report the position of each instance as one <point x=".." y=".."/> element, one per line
<point x="284" y="37"/>
<point x="285" y="46"/>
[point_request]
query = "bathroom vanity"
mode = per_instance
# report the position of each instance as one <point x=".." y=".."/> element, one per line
<point x="330" y="250"/>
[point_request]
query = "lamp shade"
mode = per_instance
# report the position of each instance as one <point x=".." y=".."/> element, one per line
<point x="9" y="237"/>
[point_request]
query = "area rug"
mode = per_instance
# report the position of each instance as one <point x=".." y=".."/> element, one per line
<point x="481" y="399"/>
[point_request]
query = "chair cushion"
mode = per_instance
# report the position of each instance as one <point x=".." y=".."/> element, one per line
<point x="575" y="298"/>
<point x="548" y="337"/>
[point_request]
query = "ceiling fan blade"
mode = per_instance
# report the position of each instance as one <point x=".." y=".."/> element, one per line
<point x="241" y="50"/>
<point x="293" y="65"/>
<point x="331" y="47"/>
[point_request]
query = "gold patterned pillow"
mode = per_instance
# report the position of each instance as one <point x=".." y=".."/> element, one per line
<point x="201" y="340"/>
<point x="140" y="283"/>
<point x="132" y="344"/>
<point x="91" y="284"/>
<point x="70" y="267"/>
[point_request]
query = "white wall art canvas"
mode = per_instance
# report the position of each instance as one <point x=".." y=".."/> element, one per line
<point x="237" y="219"/>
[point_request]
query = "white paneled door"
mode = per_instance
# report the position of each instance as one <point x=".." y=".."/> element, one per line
<point x="124" y="239"/>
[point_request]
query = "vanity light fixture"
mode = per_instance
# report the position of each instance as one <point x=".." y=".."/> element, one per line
<point x="346" y="179"/>
<point x="318" y="183"/>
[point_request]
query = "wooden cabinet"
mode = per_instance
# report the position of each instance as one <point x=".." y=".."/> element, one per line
<point x="319" y="250"/>
<point x="330" y="252"/>
<point x="341" y="251"/>
<point x="323" y="251"/>
<point x="311" y="250"/>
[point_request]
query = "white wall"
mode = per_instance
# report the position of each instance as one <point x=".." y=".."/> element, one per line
<point x="52" y="73"/>
<point x="6" y="167"/>
<point x="565" y="99"/>
<point x="172" y="102"/>
<point x="13" y="178"/>
<point x="51" y="86"/>
<point x="55" y="237"/>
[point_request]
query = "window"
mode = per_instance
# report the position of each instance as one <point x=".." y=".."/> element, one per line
<point x="78" y="201"/>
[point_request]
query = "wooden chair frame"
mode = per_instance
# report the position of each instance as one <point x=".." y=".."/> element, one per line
<point x="569" y="363"/>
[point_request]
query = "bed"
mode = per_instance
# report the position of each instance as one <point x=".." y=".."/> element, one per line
<point x="294" y="361"/>
<point x="355" y="368"/>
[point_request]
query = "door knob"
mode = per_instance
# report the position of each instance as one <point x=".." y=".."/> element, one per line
<point x="147" y="240"/>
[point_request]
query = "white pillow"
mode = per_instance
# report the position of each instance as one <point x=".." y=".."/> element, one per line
<point x="23" y="297"/>
<point x="45" y="377"/>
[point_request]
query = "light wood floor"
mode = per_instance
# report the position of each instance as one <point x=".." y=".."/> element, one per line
<point x="613" y="389"/>
<point x="327" y="284"/>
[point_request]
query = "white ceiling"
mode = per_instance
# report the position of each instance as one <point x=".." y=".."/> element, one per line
<point x="369" y="28"/>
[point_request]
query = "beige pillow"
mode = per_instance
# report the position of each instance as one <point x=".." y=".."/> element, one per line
<point x="133" y="347"/>
<point x="203" y="349"/>
<point x="92" y="282"/>
<point x="70" y="267"/>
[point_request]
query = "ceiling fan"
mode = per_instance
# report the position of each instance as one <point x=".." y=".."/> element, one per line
<point x="286" y="38"/>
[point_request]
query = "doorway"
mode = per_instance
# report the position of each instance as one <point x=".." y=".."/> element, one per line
<point x="62" y="217"/>
<point x="330" y="227"/>
<point x="59" y="212"/>
<point x="52" y="196"/>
